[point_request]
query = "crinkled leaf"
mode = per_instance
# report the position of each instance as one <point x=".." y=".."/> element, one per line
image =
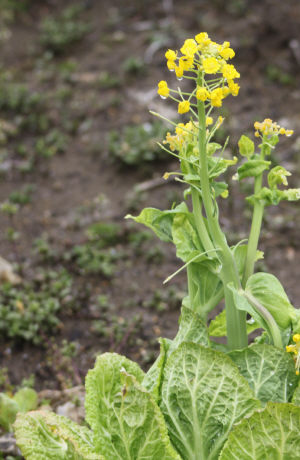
<point x="185" y="236"/>
<point x="191" y="329"/>
<point x="47" y="436"/>
<point x="270" y="293"/>
<point x="153" y="378"/>
<point x="272" y="434"/>
<point x="270" y="371"/>
<point x="212" y="147"/>
<point x="27" y="399"/>
<point x="203" y="395"/>
<point x="252" y="168"/>
<point x="218" y="165"/>
<point x="8" y="411"/>
<point x="218" y="325"/>
<point x="272" y="197"/>
<point x="219" y="188"/>
<point x="296" y="395"/>
<point x="124" y="416"/>
<point x="246" y="146"/>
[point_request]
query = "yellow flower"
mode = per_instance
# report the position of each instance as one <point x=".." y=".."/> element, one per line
<point x="183" y="106"/>
<point x="219" y="122"/>
<point x="202" y="94"/>
<point x="179" y="70"/>
<point x="226" y="91"/>
<point x="189" y="47"/>
<point x="209" y="121"/>
<point x="234" y="87"/>
<point x="201" y="37"/>
<point x="179" y="129"/>
<point x="163" y="89"/>
<point x="227" y="53"/>
<point x="186" y="62"/>
<point x="295" y="349"/>
<point x="171" y="55"/>
<point x="216" y="97"/>
<point x="230" y="72"/>
<point x="171" y="65"/>
<point x="211" y="65"/>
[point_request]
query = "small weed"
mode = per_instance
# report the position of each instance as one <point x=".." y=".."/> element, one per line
<point x="137" y="144"/>
<point x="134" y="66"/>
<point x="276" y="74"/>
<point x="59" y="32"/>
<point x="22" y="197"/>
<point x="51" y="144"/>
<point x="107" y="80"/>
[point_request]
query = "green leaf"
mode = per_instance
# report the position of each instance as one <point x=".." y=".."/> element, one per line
<point x="240" y="254"/>
<point x="203" y="395"/>
<point x="246" y="146"/>
<point x="278" y="175"/>
<point x="218" y="165"/>
<point x="252" y="168"/>
<point x="270" y="371"/>
<point x="27" y="399"/>
<point x="218" y="325"/>
<point x="185" y="236"/>
<point x="124" y="416"/>
<point x="47" y="436"/>
<point x="159" y="221"/>
<point x="270" y="293"/>
<point x="296" y="395"/>
<point x="8" y="411"/>
<point x="272" y="434"/>
<point x="207" y="286"/>
<point x="272" y="197"/>
<point x="191" y="329"/>
<point x="153" y="378"/>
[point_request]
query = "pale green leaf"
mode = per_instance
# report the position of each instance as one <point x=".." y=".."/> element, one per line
<point x="185" y="237"/>
<point x="8" y="411"/>
<point x="252" y="168"/>
<point x="47" y="436"/>
<point x="124" y="416"/>
<point x="271" y="434"/>
<point x="203" y="395"/>
<point x="267" y="289"/>
<point x="160" y="222"/>
<point x="296" y="395"/>
<point x="246" y="146"/>
<point x="27" y="399"/>
<point x="191" y="329"/>
<point x="270" y="371"/>
<point x="153" y="378"/>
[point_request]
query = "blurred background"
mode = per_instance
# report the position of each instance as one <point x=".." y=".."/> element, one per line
<point x="78" y="152"/>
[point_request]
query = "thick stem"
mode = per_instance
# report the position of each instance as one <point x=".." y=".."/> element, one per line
<point x="236" y="320"/>
<point x="201" y="227"/>
<point x="258" y="212"/>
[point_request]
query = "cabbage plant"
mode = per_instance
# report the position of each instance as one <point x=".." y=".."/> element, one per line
<point x="202" y="399"/>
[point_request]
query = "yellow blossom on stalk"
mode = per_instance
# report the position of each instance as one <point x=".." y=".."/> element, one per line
<point x="183" y="106"/>
<point x="179" y="69"/>
<point x="186" y="62"/>
<point x="171" y="55"/>
<point x="179" y="129"/>
<point x="163" y="89"/>
<point x="230" y="72"/>
<point x="202" y="94"/>
<point x="203" y="40"/>
<point x="225" y="91"/>
<point x="189" y="47"/>
<point x="216" y="97"/>
<point x="226" y="53"/>
<point x="211" y="65"/>
<point x="269" y="128"/>
<point x="234" y="87"/>
<point x="171" y="65"/>
<point x="296" y="350"/>
<point x="209" y="121"/>
<point x="220" y="121"/>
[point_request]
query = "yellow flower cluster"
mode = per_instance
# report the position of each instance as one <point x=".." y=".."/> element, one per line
<point x="269" y="128"/>
<point x="296" y="350"/>
<point x="184" y="133"/>
<point x="201" y="54"/>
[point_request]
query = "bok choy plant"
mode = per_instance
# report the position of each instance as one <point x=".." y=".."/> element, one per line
<point x="200" y="400"/>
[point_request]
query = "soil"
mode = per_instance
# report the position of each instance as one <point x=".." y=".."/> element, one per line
<point x="67" y="187"/>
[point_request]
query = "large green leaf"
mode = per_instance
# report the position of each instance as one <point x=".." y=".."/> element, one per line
<point x="252" y="168"/>
<point x="270" y="371"/>
<point x="47" y="436"/>
<point x="271" y="434"/>
<point x="296" y="395"/>
<point x="203" y="395"/>
<point x="267" y="289"/>
<point x="27" y="399"/>
<point x="191" y="329"/>
<point x="246" y="146"/>
<point x="126" y="420"/>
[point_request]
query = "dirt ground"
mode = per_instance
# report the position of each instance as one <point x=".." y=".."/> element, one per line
<point x="107" y="80"/>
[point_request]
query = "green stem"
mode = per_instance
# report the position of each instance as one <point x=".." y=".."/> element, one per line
<point x="201" y="227"/>
<point x="257" y="217"/>
<point x="236" y="320"/>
